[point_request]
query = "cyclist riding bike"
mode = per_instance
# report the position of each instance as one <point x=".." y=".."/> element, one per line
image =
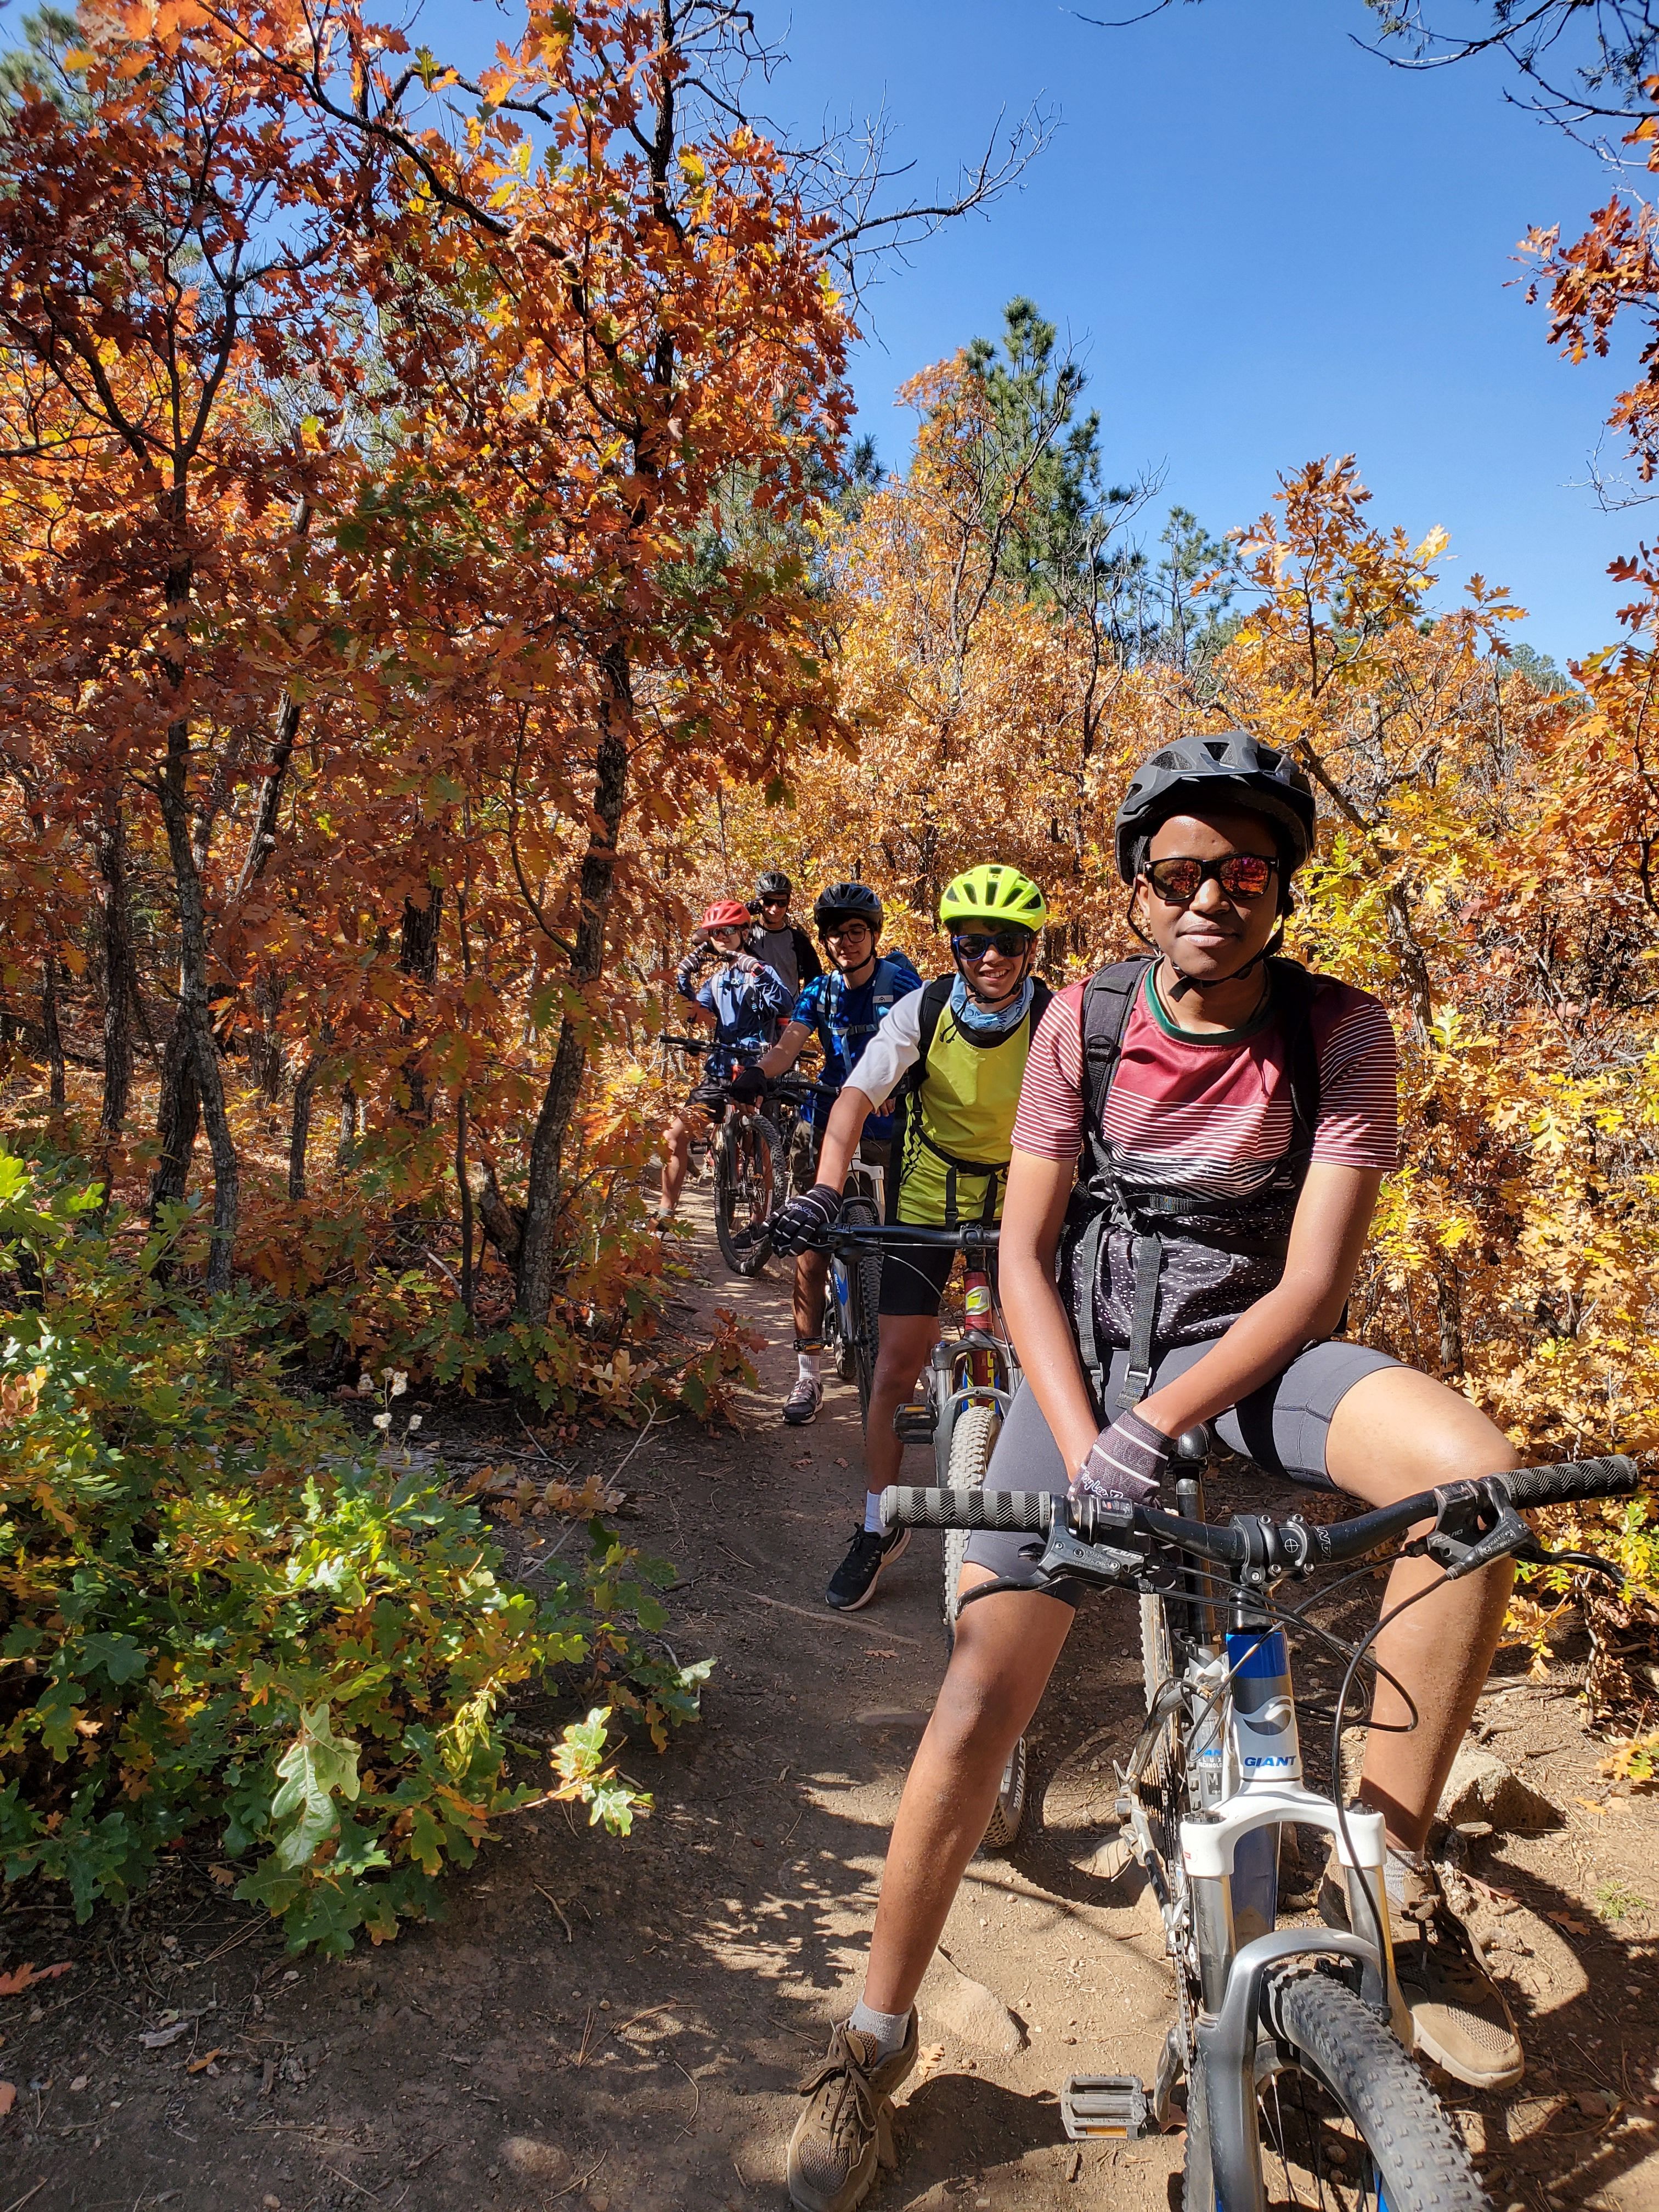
<point x="843" y="1009"/>
<point x="1235" y="1116"/>
<point x="954" y="1053"/>
<point x="737" y="996"/>
<point x="782" y="943"/>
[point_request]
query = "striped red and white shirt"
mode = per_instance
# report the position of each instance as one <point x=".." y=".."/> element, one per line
<point x="1208" y="1118"/>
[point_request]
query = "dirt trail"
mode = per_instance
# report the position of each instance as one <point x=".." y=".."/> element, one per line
<point x="619" y="2026"/>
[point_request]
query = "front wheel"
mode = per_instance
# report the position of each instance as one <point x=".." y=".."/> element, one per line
<point x="1348" y="2123"/>
<point x="973" y="1439"/>
<point x="864" y="1291"/>
<point x="747" y="1157"/>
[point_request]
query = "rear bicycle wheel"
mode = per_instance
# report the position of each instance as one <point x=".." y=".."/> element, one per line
<point x="1347" y="2124"/>
<point x="747" y="1161"/>
<point x="973" y="1439"/>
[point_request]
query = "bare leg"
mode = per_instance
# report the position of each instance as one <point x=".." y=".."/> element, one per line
<point x="1396" y="1432"/>
<point x="906" y="1341"/>
<point x="675" y="1159"/>
<point x="1005" y="1651"/>
<point x="811" y="1277"/>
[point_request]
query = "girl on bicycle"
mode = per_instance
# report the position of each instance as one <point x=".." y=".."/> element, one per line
<point x="1236" y="1117"/>
<point x="739" y="999"/>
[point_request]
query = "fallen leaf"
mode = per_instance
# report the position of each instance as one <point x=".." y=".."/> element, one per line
<point x="159" y="2039"/>
<point x="1573" y="1926"/>
<point x="8" y="2097"/>
<point x="223" y="1875"/>
<point x="21" y="1978"/>
<point x="201" y="2065"/>
<point x="931" y="2056"/>
<point x="806" y="1461"/>
<point x="80" y="2082"/>
<point x="841" y="1462"/>
<point x="1589" y="1804"/>
<point x="871" y="1652"/>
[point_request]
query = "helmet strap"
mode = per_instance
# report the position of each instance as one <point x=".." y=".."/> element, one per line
<point x="1184" y="982"/>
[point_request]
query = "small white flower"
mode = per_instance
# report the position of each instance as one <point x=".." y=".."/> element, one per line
<point x="383" y="1420"/>
<point x="365" y="1384"/>
<point x="414" y="1423"/>
<point x="400" y="1383"/>
<point x="386" y="1373"/>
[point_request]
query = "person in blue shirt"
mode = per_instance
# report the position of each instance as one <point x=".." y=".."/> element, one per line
<point x="737" y="996"/>
<point x="843" y="1008"/>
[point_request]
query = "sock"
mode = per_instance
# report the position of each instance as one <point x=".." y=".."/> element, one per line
<point x="889" y="2028"/>
<point x="809" y="1363"/>
<point x="1395" y="1867"/>
<point x="872" y="1513"/>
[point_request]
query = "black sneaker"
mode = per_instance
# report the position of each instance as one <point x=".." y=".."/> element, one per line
<point x="854" y="1583"/>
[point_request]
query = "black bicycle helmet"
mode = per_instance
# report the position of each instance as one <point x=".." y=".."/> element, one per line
<point x="1207" y="770"/>
<point x="772" y="886"/>
<point x="840" y="902"/>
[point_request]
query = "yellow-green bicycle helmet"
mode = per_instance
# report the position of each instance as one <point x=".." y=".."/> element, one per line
<point x="992" y="893"/>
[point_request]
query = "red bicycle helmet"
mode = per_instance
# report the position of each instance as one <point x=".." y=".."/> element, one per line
<point x="726" y="914"/>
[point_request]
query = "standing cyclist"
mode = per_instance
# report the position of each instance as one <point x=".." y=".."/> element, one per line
<point x="783" y="945"/>
<point x="1235" y="1117"/>
<point x="962" y="1042"/>
<point x="843" y="1008"/>
<point x="737" y="996"/>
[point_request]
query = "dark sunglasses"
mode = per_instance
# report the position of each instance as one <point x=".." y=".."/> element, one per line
<point x="973" y="944"/>
<point x="1241" y="876"/>
<point x="774" y="902"/>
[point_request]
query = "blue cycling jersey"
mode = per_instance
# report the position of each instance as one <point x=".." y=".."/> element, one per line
<point x="846" y="1020"/>
<point x="742" y="1003"/>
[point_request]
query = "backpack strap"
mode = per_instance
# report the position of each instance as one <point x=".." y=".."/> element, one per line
<point x="1108" y="999"/>
<point x="935" y="997"/>
<point x="1294" y="989"/>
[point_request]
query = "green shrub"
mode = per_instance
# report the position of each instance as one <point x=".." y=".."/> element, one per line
<point x="219" y="1609"/>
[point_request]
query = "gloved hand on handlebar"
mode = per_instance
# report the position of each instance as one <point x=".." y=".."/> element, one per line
<point x="1127" y="1460"/>
<point x="800" y="1224"/>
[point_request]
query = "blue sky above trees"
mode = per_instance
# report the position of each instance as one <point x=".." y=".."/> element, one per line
<point x="1267" y="245"/>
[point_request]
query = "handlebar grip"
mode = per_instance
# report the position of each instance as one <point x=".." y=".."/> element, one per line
<point x="1020" y="1512"/>
<point x="1614" y="1476"/>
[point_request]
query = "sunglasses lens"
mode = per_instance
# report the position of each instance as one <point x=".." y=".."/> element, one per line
<point x="974" y="944"/>
<point x="1176" y="879"/>
<point x="1244" y="876"/>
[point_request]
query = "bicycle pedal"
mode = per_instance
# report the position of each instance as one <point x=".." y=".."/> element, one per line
<point x="914" y="1423"/>
<point x="1105" y="2104"/>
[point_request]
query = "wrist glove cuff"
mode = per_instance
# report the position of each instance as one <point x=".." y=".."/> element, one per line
<point x="1124" y="1461"/>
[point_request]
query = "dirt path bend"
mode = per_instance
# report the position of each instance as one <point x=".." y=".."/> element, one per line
<point x="618" y="2026"/>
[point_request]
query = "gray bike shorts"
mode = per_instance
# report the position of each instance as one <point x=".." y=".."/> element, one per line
<point x="1283" y="1427"/>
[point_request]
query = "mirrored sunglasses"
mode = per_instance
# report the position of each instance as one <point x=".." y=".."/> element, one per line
<point x="1241" y="876"/>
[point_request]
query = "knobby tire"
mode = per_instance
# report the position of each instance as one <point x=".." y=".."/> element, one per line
<point x="748" y="1163"/>
<point x="973" y="1439"/>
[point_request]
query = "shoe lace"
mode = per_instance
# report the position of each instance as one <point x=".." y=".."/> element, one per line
<point x="855" y="2096"/>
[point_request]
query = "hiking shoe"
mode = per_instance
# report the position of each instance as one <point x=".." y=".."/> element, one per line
<point x="854" y="1583"/>
<point x="802" y="1404"/>
<point x="847" y="2130"/>
<point x="1460" y="2017"/>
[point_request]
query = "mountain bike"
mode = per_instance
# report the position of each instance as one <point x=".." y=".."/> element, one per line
<point x="971" y="1378"/>
<point x="748" y="1157"/>
<point x="1299" y="2089"/>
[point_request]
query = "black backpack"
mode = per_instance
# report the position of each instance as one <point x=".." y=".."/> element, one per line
<point x="1108" y="997"/>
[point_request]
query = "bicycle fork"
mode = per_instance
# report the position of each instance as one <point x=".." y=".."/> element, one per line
<point x="1249" y="1782"/>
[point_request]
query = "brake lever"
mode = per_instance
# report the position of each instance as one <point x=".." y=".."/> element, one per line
<point x="1589" y="1563"/>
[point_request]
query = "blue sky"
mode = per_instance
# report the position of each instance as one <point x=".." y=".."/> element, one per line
<point x="1267" y="245"/>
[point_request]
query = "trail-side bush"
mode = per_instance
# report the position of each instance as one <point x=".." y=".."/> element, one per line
<point x="220" y="1611"/>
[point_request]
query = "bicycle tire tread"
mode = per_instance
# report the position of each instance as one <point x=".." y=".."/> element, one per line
<point x="1424" y="2162"/>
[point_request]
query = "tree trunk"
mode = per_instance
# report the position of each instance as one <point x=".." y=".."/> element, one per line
<point x="465" y="1190"/>
<point x="178" y="1117"/>
<point x="193" y="1018"/>
<point x="417" y="956"/>
<point x="539" y="1246"/>
<point x="52" y="1034"/>
<point x="266" y="1061"/>
<point x="349" y="1122"/>
<point x="1448" y="1307"/>
<point x="299" y="1128"/>
<point x="120" y="985"/>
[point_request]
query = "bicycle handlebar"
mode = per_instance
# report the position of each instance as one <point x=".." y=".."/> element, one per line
<point x="1251" y="1539"/>
<point x="964" y="1238"/>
